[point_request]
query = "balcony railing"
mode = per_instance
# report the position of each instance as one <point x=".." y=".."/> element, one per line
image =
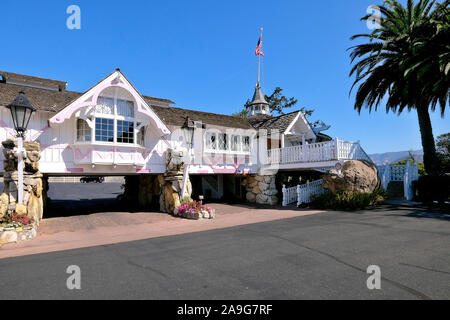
<point x="108" y="155"/>
<point x="318" y="152"/>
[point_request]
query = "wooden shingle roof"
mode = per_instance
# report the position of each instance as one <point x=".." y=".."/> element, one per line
<point x="177" y="116"/>
<point x="280" y="123"/>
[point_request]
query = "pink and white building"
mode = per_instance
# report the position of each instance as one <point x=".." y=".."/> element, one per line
<point x="113" y="130"/>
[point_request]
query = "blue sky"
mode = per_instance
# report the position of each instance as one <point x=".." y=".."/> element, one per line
<point x="200" y="54"/>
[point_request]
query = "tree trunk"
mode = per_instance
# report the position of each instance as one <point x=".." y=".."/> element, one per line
<point x="428" y="143"/>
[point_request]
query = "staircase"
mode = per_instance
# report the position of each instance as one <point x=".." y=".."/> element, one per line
<point x="396" y="190"/>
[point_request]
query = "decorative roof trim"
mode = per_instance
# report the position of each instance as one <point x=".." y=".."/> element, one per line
<point x="116" y="79"/>
<point x="300" y="115"/>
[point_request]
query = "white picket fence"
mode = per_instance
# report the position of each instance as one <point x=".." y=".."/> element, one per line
<point x="407" y="173"/>
<point x="302" y="193"/>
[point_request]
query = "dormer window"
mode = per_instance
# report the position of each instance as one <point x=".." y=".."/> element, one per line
<point x="113" y="121"/>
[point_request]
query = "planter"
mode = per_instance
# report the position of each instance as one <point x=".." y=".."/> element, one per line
<point x="20" y="234"/>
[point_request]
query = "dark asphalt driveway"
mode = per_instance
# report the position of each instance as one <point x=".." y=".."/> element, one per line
<point x="323" y="256"/>
<point x="69" y="199"/>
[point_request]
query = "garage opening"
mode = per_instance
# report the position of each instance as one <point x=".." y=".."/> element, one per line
<point x="218" y="188"/>
<point x="84" y="195"/>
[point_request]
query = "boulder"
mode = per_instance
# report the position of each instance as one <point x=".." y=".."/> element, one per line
<point x="263" y="186"/>
<point x="251" y="197"/>
<point x="172" y="199"/>
<point x="21" y="210"/>
<point x="4" y="202"/>
<point x="361" y="176"/>
<point x="262" y="199"/>
<point x="256" y="190"/>
<point x="34" y="208"/>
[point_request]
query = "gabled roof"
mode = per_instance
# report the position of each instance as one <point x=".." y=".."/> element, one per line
<point x="44" y="94"/>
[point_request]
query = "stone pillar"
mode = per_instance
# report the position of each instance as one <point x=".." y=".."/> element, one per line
<point x="261" y="189"/>
<point x="35" y="189"/>
<point x="161" y="192"/>
<point x="172" y="183"/>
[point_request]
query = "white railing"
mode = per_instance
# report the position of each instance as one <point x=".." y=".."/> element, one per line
<point x="318" y="152"/>
<point x="403" y="173"/>
<point x="398" y="172"/>
<point x="306" y="191"/>
<point x="302" y="193"/>
<point x="351" y="151"/>
<point x="289" y="196"/>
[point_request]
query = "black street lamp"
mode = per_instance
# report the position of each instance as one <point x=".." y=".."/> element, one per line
<point x="188" y="130"/>
<point x="21" y="111"/>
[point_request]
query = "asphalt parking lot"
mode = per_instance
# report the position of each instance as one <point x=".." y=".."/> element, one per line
<point x="323" y="256"/>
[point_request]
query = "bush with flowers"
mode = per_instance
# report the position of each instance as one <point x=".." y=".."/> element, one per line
<point x="15" y="221"/>
<point x="195" y="210"/>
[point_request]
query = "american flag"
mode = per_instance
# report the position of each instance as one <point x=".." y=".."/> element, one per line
<point x="258" y="51"/>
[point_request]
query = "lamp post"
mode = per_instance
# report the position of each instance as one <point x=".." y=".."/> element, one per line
<point x="21" y="111"/>
<point x="188" y="131"/>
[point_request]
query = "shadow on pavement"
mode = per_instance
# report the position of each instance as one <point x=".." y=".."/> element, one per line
<point x="418" y="210"/>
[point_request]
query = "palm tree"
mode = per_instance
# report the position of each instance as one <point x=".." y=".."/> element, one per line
<point x="403" y="62"/>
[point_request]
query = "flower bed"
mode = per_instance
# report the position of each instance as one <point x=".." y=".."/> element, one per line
<point x="16" y="228"/>
<point x="195" y="210"/>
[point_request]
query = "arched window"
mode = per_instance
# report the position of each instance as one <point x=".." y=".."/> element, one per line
<point x="83" y="131"/>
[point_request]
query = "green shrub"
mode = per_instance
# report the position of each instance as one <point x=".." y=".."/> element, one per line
<point x="348" y="200"/>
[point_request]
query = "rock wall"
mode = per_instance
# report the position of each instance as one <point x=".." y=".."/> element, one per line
<point x="34" y="185"/>
<point x="261" y="189"/>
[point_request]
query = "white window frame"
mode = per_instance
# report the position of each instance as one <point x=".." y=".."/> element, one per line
<point x="93" y="115"/>
<point x="229" y="138"/>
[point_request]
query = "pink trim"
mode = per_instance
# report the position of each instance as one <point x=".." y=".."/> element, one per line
<point x="39" y="133"/>
<point x="56" y="146"/>
<point x="80" y="156"/>
<point x="68" y="111"/>
<point x="143" y="171"/>
<point x="221" y="171"/>
<point x="167" y="142"/>
<point x="203" y="171"/>
<point x="7" y="128"/>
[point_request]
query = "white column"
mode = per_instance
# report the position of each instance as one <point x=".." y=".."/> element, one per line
<point x="20" y="155"/>
<point x="336" y="148"/>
